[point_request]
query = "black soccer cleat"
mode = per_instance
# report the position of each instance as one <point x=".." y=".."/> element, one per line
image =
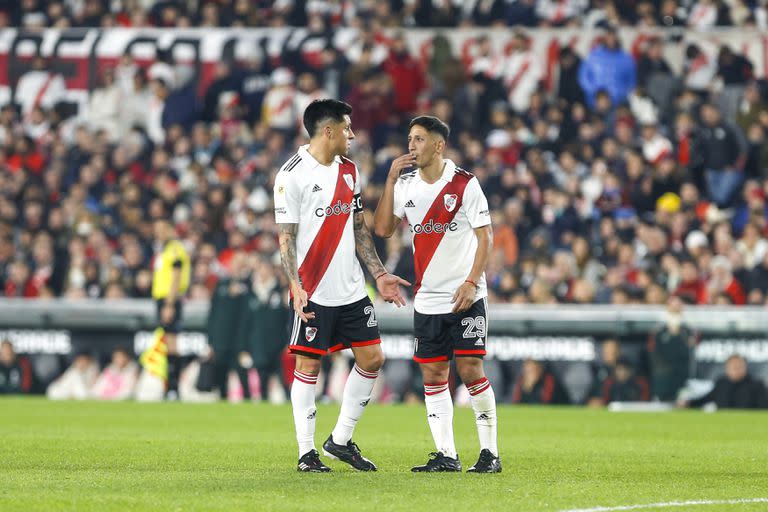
<point x="439" y="463"/>
<point x="348" y="453"/>
<point x="487" y="463"/>
<point x="310" y="463"/>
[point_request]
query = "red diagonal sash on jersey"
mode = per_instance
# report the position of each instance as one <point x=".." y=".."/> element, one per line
<point x="324" y="245"/>
<point x="512" y="84"/>
<point x="425" y="244"/>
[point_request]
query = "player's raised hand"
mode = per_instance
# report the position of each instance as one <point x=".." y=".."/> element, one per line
<point x="300" y="301"/>
<point x="464" y="297"/>
<point x="399" y="164"/>
<point x="389" y="288"/>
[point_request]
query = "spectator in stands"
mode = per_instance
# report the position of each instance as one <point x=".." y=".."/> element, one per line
<point x="669" y="348"/>
<point x="724" y="155"/>
<point x="536" y="385"/>
<point x="735" y="390"/>
<point x="624" y="386"/>
<point x="118" y="380"/>
<point x="723" y="285"/>
<point x="407" y="76"/>
<point x="77" y="381"/>
<point x="104" y="106"/>
<point x="16" y="374"/>
<point x="278" y="107"/>
<point x="521" y="72"/>
<point x="41" y="86"/>
<point x="608" y="67"/>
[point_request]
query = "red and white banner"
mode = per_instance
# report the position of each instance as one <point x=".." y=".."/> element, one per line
<point x="81" y="54"/>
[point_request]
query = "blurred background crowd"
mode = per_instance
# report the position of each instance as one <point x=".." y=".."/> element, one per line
<point x="628" y="183"/>
<point x="696" y="14"/>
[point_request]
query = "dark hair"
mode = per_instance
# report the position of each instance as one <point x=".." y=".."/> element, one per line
<point x="320" y="110"/>
<point x="432" y="124"/>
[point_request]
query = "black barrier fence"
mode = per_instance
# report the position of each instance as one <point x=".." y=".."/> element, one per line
<point x="560" y="349"/>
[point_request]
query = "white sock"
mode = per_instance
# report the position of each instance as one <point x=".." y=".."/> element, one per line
<point x="440" y="417"/>
<point x="304" y="410"/>
<point x="484" y="404"/>
<point x="357" y="393"/>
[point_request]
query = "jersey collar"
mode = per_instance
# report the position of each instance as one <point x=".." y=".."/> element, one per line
<point x="448" y="172"/>
<point x="304" y="153"/>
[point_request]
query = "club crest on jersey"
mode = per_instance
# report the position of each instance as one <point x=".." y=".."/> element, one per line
<point x="450" y="201"/>
<point x="350" y="181"/>
<point x="310" y="333"/>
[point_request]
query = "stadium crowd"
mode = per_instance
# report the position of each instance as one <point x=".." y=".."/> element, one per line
<point x="628" y="184"/>
<point x="696" y="14"/>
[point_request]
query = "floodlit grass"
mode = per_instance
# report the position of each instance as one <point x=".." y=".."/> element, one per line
<point x="172" y="456"/>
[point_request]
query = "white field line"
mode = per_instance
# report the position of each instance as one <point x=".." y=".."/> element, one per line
<point x="670" y="504"/>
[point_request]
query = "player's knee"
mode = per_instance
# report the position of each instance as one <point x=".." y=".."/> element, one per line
<point x="308" y="365"/>
<point x="373" y="362"/>
<point x="469" y="368"/>
<point x="434" y="374"/>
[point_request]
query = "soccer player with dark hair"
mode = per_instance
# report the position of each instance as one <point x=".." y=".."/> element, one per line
<point x="320" y="217"/>
<point x="452" y="238"/>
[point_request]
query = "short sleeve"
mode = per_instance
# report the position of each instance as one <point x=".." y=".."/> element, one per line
<point x="398" y="206"/>
<point x="475" y="205"/>
<point x="287" y="199"/>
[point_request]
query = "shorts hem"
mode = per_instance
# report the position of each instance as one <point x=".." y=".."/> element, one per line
<point x="469" y="352"/>
<point x="307" y="350"/>
<point x="430" y="359"/>
<point x="377" y="341"/>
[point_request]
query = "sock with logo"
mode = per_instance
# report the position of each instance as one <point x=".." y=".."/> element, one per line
<point x="357" y="393"/>
<point x="304" y="410"/>
<point x="439" y="404"/>
<point x="484" y="404"/>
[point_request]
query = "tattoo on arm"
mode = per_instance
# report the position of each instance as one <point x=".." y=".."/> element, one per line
<point x="365" y="248"/>
<point x="288" y="250"/>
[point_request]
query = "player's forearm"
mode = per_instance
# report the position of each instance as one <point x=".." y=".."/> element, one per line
<point x="482" y="253"/>
<point x="288" y="258"/>
<point x="366" y="250"/>
<point x="384" y="217"/>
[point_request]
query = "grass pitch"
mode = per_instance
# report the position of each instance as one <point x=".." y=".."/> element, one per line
<point x="171" y="456"/>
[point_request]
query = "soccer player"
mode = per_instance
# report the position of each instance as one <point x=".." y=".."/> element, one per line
<point x="321" y="223"/>
<point x="170" y="281"/>
<point x="451" y="226"/>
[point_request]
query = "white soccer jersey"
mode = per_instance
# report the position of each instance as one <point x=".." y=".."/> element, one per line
<point x="322" y="201"/>
<point x="442" y="216"/>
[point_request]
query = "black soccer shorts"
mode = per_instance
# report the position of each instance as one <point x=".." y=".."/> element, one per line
<point x="335" y="328"/>
<point x="441" y="337"/>
<point x="174" y="326"/>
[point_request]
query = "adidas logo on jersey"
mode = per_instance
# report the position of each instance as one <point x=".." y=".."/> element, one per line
<point x="479" y="342"/>
<point x="410" y="204"/>
<point x="316" y="188"/>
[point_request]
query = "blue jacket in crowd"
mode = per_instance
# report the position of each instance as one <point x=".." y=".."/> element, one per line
<point x="612" y="70"/>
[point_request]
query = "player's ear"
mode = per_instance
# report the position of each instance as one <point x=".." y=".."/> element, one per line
<point x="328" y="131"/>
